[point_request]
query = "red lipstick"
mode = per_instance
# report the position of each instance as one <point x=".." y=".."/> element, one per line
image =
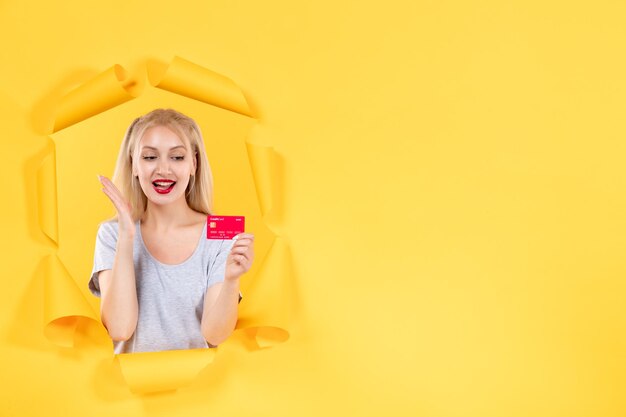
<point x="161" y="186"/>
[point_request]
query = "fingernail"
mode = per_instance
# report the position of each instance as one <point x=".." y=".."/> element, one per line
<point x="99" y="177"/>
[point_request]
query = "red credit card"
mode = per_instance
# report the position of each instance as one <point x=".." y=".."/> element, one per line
<point x="224" y="227"/>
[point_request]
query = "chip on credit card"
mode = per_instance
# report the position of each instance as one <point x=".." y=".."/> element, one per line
<point x="224" y="227"/>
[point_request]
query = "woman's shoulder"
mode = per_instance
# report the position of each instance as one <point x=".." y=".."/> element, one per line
<point x="108" y="229"/>
<point x="110" y="226"/>
<point x="112" y="223"/>
<point x="108" y="223"/>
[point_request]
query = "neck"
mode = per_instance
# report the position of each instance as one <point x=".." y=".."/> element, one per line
<point x="163" y="218"/>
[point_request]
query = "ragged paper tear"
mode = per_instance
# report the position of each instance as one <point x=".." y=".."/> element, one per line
<point x="270" y="286"/>
<point x="89" y="126"/>
<point x="47" y="196"/>
<point x="105" y="91"/>
<point x="149" y="372"/>
<point x="64" y="305"/>
<point x="194" y="81"/>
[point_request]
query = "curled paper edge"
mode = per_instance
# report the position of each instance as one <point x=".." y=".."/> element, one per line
<point x="262" y="163"/>
<point x="64" y="304"/>
<point x="103" y="92"/>
<point x="150" y="372"/>
<point x="62" y="318"/>
<point x="191" y="80"/>
<point x="47" y="197"/>
<point x="273" y="285"/>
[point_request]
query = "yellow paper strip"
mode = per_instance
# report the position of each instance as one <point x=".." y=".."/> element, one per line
<point x="199" y="83"/>
<point x="149" y="372"/>
<point x="263" y="165"/>
<point x="64" y="304"/>
<point x="266" y="314"/>
<point x="270" y="307"/>
<point x="107" y="90"/>
<point x="47" y="196"/>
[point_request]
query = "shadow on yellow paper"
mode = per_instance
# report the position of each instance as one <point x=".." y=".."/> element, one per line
<point x="88" y="127"/>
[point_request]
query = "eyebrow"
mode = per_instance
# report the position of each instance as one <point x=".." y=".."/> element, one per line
<point x="173" y="147"/>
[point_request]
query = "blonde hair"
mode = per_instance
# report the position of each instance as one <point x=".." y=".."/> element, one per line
<point x="199" y="193"/>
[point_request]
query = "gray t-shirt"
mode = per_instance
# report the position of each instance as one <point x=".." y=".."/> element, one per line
<point x="170" y="297"/>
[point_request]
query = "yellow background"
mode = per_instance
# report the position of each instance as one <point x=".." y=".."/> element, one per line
<point x="453" y="199"/>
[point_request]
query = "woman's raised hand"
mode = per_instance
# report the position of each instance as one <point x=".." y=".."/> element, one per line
<point x="124" y="210"/>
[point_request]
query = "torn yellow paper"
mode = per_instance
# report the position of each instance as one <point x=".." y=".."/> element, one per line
<point x="262" y="162"/>
<point x="194" y="81"/>
<point x="47" y="197"/>
<point x="87" y="145"/>
<point x="149" y="372"/>
<point x="105" y="91"/>
<point x="273" y="286"/>
<point x="64" y="305"/>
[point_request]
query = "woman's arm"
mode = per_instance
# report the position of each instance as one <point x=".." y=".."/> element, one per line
<point x="118" y="307"/>
<point x="221" y="300"/>
<point x="219" y="316"/>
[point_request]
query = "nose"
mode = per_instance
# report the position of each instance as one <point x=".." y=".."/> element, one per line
<point x="163" y="166"/>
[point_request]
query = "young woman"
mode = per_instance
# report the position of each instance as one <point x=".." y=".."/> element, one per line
<point x="163" y="284"/>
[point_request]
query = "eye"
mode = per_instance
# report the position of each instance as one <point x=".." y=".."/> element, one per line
<point x="178" y="158"/>
<point x="148" y="157"/>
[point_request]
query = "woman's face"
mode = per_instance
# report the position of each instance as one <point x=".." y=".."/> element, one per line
<point x="164" y="163"/>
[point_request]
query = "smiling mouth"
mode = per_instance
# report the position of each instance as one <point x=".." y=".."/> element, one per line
<point x="163" y="187"/>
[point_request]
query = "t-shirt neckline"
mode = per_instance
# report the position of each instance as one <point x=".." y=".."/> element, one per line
<point x="193" y="255"/>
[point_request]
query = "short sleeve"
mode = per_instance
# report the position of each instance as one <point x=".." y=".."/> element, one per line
<point x="104" y="254"/>
<point x="217" y="268"/>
